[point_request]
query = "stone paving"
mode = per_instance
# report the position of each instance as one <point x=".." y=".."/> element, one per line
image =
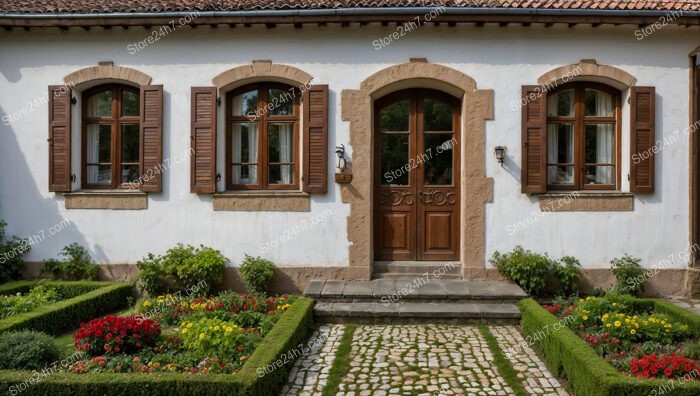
<point x="430" y="360"/>
<point x="310" y="372"/>
<point x="536" y="379"/>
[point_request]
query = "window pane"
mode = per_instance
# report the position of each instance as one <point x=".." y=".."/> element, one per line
<point x="245" y="142"/>
<point x="395" y="117"/>
<point x="599" y="144"/>
<point x="99" y="143"/>
<point x="245" y="174"/>
<point x="246" y="104"/>
<point x="99" y="174"/>
<point x="394" y="159"/>
<point x="280" y="142"/>
<point x="438" y="159"/>
<point x="600" y="174"/>
<point x="560" y="175"/>
<point x="598" y="103"/>
<point x="280" y="102"/>
<point x="437" y="116"/>
<point x="130" y="143"/>
<point x="281" y="174"/>
<point x="100" y="105"/>
<point x="130" y="173"/>
<point x="130" y="103"/>
<point x="560" y="143"/>
<point x="561" y="104"/>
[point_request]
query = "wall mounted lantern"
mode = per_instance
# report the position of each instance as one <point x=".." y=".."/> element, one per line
<point x="500" y="152"/>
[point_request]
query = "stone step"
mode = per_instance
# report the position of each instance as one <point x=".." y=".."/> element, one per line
<point x="434" y="268"/>
<point x="418" y="290"/>
<point x="413" y="312"/>
<point x="410" y="277"/>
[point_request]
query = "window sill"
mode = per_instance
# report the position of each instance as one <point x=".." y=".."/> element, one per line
<point x="106" y="199"/>
<point x="256" y="201"/>
<point x="586" y="201"/>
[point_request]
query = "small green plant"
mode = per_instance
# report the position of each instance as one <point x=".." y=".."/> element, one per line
<point x="629" y="274"/>
<point x="27" y="350"/>
<point x="76" y="265"/>
<point x="568" y="270"/>
<point x="35" y="298"/>
<point x="257" y="273"/>
<point x="529" y="270"/>
<point x="11" y="252"/>
<point x="181" y="267"/>
<point x="691" y="350"/>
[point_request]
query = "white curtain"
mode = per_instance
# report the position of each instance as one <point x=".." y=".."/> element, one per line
<point x="604" y="139"/>
<point x="238" y="105"/>
<point x="251" y="132"/>
<point x="552" y="152"/>
<point x="93" y="152"/>
<point x="552" y="105"/>
<point x="286" y="139"/>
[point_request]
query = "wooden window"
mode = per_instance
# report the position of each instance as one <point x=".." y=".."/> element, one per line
<point x="111" y="137"/>
<point x="583" y="137"/>
<point x="262" y="137"/>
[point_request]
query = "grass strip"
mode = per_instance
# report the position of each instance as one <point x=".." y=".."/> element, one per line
<point x="502" y="363"/>
<point x="341" y="363"/>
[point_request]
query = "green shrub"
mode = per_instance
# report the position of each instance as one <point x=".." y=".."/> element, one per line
<point x="11" y="252"/>
<point x="691" y="350"/>
<point x="569" y="272"/>
<point x="37" y="297"/>
<point x="630" y="276"/>
<point x="527" y="269"/>
<point x="76" y="265"/>
<point x="181" y="267"/>
<point x="64" y="315"/>
<point x="27" y="350"/>
<point x="257" y="273"/>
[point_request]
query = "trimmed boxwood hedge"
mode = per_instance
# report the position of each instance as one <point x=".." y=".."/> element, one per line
<point x="292" y="329"/>
<point x="589" y="374"/>
<point x="84" y="300"/>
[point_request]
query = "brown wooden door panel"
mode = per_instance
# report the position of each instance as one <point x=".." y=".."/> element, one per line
<point x="417" y="175"/>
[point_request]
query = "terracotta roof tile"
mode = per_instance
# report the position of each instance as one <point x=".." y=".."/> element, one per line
<point x="155" y="6"/>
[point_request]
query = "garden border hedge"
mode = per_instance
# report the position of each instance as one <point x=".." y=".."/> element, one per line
<point x="90" y="299"/>
<point x="291" y="330"/>
<point x="589" y="374"/>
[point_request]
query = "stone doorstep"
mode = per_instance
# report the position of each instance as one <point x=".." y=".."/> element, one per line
<point x="366" y="291"/>
<point x="417" y="310"/>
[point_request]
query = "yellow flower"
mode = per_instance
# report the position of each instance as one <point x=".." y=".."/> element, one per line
<point x="229" y="329"/>
<point x="243" y="358"/>
<point x="147" y="304"/>
<point x="607" y="325"/>
<point x="216" y="328"/>
<point x="201" y="335"/>
<point x="614" y="304"/>
<point x="184" y="330"/>
<point x="585" y="318"/>
<point x="189" y="325"/>
<point x="633" y="331"/>
<point x="617" y="323"/>
<point x="182" y="324"/>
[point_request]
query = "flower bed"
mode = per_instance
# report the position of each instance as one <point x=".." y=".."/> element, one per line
<point x="625" y="345"/>
<point x="143" y="373"/>
<point x="20" y="303"/>
<point x="633" y="338"/>
<point x="202" y="335"/>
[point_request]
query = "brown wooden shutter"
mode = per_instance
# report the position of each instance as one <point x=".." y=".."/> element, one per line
<point x="203" y="140"/>
<point x="316" y="139"/>
<point x="151" y="138"/>
<point x="59" y="138"/>
<point x="534" y="140"/>
<point x="642" y="139"/>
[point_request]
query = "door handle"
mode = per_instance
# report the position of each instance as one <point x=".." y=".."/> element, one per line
<point x="420" y="196"/>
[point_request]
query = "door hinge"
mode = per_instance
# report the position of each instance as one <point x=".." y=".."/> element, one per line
<point x="218" y="101"/>
<point x="73" y="100"/>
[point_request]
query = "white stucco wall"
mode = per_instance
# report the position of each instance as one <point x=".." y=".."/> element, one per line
<point x="498" y="58"/>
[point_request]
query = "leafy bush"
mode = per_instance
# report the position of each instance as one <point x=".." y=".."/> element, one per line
<point x="116" y="334"/>
<point x="569" y="272"/>
<point x="691" y="350"/>
<point x="11" y="252"/>
<point x="257" y="273"/>
<point x="181" y="267"/>
<point x="37" y="297"/>
<point x="529" y="270"/>
<point x="76" y="265"/>
<point x="630" y="276"/>
<point x="27" y="350"/>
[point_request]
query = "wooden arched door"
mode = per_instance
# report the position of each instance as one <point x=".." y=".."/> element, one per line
<point x="416" y="180"/>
